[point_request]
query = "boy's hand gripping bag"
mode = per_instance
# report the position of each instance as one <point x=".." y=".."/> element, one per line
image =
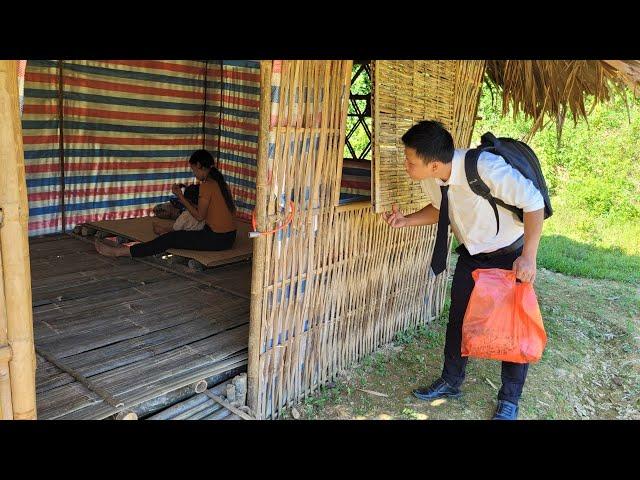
<point x="503" y="320"/>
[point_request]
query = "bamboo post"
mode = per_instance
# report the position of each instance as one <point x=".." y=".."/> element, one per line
<point x="15" y="248"/>
<point x="126" y="415"/>
<point x="200" y="386"/>
<point x="6" y="410"/>
<point x="259" y="245"/>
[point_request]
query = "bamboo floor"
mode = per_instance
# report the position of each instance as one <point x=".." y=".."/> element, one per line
<point x="112" y="334"/>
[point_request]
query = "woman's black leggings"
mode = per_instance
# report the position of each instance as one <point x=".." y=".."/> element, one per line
<point x="205" y="239"/>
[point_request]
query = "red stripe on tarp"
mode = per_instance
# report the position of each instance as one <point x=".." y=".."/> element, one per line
<point x="40" y="139"/>
<point x="95" y="217"/>
<point x="159" y="65"/>
<point x="215" y="120"/>
<point x="120" y="115"/>
<point x="241" y="148"/>
<point x="121" y="87"/>
<point x="42" y="224"/>
<point x="98" y="191"/>
<point x="41" y="77"/>
<point x="228" y="167"/>
<point x="93" y="193"/>
<point x="102" y="166"/>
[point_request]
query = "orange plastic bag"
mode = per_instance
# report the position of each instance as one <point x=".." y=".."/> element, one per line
<point x="503" y="320"/>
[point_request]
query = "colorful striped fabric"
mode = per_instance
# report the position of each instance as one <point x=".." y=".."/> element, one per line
<point x="40" y="138"/>
<point x="232" y="124"/>
<point x="355" y="183"/>
<point x="129" y="128"/>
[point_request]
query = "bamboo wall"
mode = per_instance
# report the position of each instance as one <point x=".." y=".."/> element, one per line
<point x="337" y="283"/>
<point x="406" y="92"/>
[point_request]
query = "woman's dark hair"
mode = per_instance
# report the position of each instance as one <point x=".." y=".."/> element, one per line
<point x="431" y="141"/>
<point x="205" y="159"/>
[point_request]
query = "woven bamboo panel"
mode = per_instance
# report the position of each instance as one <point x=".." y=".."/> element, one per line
<point x="406" y="92"/>
<point x="332" y="287"/>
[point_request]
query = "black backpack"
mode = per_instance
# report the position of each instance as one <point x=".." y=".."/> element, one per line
<point x="517" y="154"/>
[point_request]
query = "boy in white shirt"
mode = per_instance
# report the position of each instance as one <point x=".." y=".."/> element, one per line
<point x="430" y="157"/>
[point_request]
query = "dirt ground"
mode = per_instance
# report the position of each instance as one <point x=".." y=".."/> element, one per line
<point x="590" y="368"/>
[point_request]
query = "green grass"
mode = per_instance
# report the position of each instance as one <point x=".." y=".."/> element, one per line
<point x="593" y="175"/>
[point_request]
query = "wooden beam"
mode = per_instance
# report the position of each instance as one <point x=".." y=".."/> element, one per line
<point x="14" y="247"/>
<point x="259" y="243"/>
<point x="228" y="406"/>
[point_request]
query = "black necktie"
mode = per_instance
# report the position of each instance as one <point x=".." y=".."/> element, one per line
<point x="439" y="257"/>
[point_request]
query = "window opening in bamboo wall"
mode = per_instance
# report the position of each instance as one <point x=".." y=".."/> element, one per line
<point x="355" y="182"/>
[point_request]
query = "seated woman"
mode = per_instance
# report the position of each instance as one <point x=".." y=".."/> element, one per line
<point x="215" y="207"/>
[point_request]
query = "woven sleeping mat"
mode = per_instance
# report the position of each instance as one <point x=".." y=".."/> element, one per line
<point x="141" y="230"/>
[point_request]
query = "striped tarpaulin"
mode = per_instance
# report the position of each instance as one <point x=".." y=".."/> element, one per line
<point x="40" y="138"/>
<point x="232" y="124"/>
<point x="129" y="128"/>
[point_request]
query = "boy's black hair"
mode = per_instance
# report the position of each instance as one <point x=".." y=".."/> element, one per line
<point x="431" y="141"/>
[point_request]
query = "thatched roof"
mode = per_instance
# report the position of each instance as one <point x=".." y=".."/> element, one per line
<point x="551" y="88"/>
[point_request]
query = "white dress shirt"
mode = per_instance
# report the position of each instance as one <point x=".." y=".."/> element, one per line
<point x="472" y="219"/>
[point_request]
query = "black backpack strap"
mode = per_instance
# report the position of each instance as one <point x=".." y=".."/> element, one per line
<point x="475" y="182"/>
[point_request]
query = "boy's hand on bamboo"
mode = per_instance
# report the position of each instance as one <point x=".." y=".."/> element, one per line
<point x="395" y="219"/>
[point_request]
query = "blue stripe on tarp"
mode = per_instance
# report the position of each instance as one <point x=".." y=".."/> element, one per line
<point x="42" y="63"/>
<point x="242" y="63"/>
<point x="214" y="86"/>
<point x="118" y="72"/>
<point x="104" y="153"/>
<point x="232" y="112"/>
<point x="240" y="182"/>
<point x="35" y="211"/>
<point x="39" y="124"/>
<point x="113" y="100"/>
<point x="241" y="204"/>
<point x="251" y="161"/>
<point x="134" y="102"/>
<point x="99" y="204"/>
<point x="40" y="93"/>
<point x="233" y="135"/>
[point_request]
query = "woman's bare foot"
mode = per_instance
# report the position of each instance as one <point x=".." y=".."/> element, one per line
<point x="109" y="251"/>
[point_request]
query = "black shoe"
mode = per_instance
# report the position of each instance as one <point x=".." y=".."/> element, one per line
<point x="438" y="389"/>
<point x="506" y="411"/>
